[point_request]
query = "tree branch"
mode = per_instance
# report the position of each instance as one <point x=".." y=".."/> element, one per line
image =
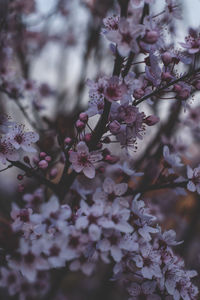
<point x="35" y="174"/>
<point x="166" y="86"/>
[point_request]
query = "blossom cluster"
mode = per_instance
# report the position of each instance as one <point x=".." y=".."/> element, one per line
<point x="80" y="203"/>
<point x="114" y="226"/>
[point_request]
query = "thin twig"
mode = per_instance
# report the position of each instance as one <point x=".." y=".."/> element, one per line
<point x="8" y="167"/>
<point x="165" y="86"/>
<point x="35" y="174"/>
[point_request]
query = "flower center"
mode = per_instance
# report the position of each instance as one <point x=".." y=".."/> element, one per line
<point x="83" y="159"/>
<point x="18" y="138"/>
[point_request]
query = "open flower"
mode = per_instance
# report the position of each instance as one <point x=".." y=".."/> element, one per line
<point x="194" y="179"/>
<point x="20" y="139"/>
<point x="83" y="160"/>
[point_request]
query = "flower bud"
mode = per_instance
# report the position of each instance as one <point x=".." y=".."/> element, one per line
<point x="177" y="88"/>
<point x="43" y="164"/>
<point x="67" y="140"/>
<point x="83" y="117"/>
<point x="35" y="160"/>
<point x="48" y="158"/>
<point x="151" y="37"/>
<point x="105" y="152"/>
<point x="80" y="125"/>
<point x="42" y="154"/>
<point x="87" y="137"/>
<point x="138" y="93"/>
<point x="111" y="159"/>
<point x="151" y="120"/>
<point x="166" y="58"/>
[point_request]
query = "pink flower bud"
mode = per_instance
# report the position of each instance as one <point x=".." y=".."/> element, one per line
<point x="48" y="158"/>
<point x="35" y="160"/>
<point x="105" y="152"/>
<point x="166" y="58"/>
<point x="83" y="117"/>
<point x="114" y="127"/>
<point x="43" y="164"/>
<point x="151" y="37"/>
<point x="67" y="140"/>
<point x="151" y="120"/>
<point x="87" y="137"/>
<point x="80" y="125"/>
<point x="42" y="154"/>
<point x="138" y="93"/>
<point x="177" y="88"/>
<point x="111" y="159"/>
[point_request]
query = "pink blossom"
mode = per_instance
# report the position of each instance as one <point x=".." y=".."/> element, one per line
<point x="83" y="160"/>
<point x="194" y="179"/>
<point x="114" y="90"/>
<point x="125" y="37"/>
<point x="192" y="42"/>
<point x="21" y="139"/>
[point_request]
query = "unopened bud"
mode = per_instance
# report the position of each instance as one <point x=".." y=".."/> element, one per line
<point x="80" y="125"/>
<point x="48" y="158"/>
<point x="166" y="58"/>
<point x="111" y="159"/>
<point x="42" y="154"/>
<point x="151" y="120"/>
<point x="151" y="37"/>
<point x="43" y="164"/>
<point x="67" y="140"/>
<point x="83" y="117"/>
<point x="87" y="137"/>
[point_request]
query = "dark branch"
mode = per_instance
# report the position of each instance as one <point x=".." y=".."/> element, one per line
<point x="157" y="91"/>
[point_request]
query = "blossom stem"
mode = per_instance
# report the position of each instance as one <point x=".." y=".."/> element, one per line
<point x="157" y="91"/>
<point x="100" y="128"/>
<point x="171" y="185"/>
<point x="16" y="100"/>
<point x="35" y="174"/>
<point x="8" y="167"/>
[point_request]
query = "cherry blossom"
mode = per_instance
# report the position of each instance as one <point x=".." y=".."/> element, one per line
<point x="194" y="179"/>
<point x="20" y="139"/>
<point x="83" y="160"/>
